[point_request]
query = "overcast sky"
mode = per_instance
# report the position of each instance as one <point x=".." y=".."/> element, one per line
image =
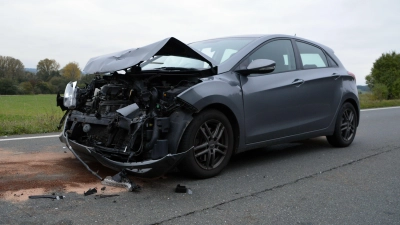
<point x="359" y="31"/>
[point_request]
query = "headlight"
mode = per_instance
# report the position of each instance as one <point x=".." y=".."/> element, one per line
<point x="70" y="95"/>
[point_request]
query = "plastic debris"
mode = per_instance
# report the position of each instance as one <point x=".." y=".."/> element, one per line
<point x="180" y="189"/>
<point x="121" y="180"/>
<point x="58" y="197"/>
<point x="90" y="191"/>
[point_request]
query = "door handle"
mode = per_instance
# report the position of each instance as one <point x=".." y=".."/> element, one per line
<point x="298" y="82"/>
<point x="335" y="75"/>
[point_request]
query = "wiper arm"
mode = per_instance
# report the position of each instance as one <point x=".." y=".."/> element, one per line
<point x="175" y="68"/>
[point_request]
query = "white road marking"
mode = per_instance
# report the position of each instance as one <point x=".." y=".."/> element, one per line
<point x="396" y="107"/>
<point x="52" y="136"/>
<point x="26" y="138"/>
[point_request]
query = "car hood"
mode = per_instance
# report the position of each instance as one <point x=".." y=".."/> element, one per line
<point x="135" y="56"/>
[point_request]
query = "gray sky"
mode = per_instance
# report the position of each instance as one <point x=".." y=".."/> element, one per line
<point x="31" y="30"/>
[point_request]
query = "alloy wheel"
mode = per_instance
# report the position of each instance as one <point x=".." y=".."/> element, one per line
<point x="210" y="144"/>
<point x="348" y="125"/>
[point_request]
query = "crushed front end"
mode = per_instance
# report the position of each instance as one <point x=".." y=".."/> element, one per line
<point x="131" y="122"/>
<point x="131" y="118"/>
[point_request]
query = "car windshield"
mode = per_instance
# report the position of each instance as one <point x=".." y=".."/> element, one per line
<point x="218" y="49"/>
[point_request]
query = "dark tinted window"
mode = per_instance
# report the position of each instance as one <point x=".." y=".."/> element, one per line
<point x="311" y="56"/>
<point x="280" y="51"/>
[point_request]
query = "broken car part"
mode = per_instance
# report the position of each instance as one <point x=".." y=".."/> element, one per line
<point x="122" y="180"/>
<point x="180" y="189"/>
<point x="90" y="191"/>
<point x="58" y="197"/>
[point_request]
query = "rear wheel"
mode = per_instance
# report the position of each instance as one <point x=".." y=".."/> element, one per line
<point x="211" y="135"/>
<point x="345" y="128"/>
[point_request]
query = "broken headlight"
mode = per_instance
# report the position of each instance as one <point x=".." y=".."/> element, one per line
<point x="70" y="95"/>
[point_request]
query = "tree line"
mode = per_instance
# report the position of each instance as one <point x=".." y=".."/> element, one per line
<point x="384" y="80"/>
<point x="49" y="78"/>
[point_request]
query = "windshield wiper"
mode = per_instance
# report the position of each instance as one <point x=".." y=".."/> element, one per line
<point x="175" y="68"/>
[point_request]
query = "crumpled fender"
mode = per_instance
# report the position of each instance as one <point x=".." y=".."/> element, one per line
<point x="222" y="89"/>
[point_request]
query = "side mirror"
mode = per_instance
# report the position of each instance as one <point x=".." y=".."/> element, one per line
<point x="258" y="66"/>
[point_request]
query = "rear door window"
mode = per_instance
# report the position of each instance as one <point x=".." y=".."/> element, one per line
<point x="311" y="56"/>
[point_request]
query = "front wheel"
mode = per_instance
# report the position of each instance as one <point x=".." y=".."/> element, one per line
<point x="210" y="132"/>
<point x="345" y="127"/>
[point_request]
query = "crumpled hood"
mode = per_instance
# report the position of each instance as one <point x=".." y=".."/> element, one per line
<point x="135" y="56"/>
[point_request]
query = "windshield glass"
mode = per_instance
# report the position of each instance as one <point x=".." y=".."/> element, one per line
<point x="221" y="49"/>
<point x="218" y="49"/>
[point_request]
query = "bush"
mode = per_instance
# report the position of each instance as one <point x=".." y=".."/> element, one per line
<point x="380" y="92"/>
<point x="8" y="87"/>
<point x="26" y="88"/>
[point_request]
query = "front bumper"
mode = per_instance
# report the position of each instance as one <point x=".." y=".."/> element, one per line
<point x="148" y="169"/>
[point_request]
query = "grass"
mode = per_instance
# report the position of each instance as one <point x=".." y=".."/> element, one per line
<point x="31" y="114"/>
<point x="367" y="100"/>
<point x="28" y="114"/>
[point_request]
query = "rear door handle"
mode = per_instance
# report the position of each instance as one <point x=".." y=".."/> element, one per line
<point x="335" y="75"/>
<point x="298" y="82"/>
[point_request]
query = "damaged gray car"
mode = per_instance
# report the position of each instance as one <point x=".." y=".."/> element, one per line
<point x="169" y="104"/>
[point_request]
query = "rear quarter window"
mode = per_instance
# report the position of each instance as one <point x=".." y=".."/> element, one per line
<point x="311" y="56"/>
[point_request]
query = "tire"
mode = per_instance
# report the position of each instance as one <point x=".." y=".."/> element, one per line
<point x="345" y="127"/>
<point x="211" y="133"/>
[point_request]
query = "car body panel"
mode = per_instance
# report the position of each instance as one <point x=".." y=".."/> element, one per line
<point x="134" y="56"/>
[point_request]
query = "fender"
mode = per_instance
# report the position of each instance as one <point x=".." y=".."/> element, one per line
<point x="222" y="89"/>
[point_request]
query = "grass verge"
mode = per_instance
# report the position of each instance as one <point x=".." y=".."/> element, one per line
<point x="28" y="114"/>
<point x="367" y="101"/>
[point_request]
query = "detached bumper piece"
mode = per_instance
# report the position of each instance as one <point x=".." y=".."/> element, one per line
<point x="147" y="169"/>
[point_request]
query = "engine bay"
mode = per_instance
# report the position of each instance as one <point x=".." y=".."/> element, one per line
<point x="125" y="117"/>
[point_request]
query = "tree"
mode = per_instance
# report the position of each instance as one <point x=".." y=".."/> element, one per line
<point x="47" y="68"/>
<point x="71" y="71"/>
<point x="386" y="71"/>
<point x="380" y="91"/>
<point x="59" y="83"/>
<point x="11" y="68"/>
<point x="7" y="87"/>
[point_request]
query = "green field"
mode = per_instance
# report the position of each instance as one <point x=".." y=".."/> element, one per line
<point x="28" y="114"/>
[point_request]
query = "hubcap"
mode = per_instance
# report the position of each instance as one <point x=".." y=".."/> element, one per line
<point x="348" y="125"/>
<point x="210" y="144"/>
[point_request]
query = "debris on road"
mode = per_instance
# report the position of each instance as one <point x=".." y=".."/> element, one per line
<point x="103" y="188"/>
<point x="121" y="180"/>
<point x="106" y="196"/>
<point x="182" y="189"/>
<point x="58" y="197"/>
<point x="90" y="191"/>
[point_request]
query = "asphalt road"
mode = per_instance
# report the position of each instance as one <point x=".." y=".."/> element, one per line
<point x="307" y="182"/>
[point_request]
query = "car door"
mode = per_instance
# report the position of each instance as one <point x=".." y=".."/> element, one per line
<point x="285" y="102"/>
<point x="322" y="85"/>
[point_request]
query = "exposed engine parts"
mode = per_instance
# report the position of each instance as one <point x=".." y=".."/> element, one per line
<point x="126" y="119"/>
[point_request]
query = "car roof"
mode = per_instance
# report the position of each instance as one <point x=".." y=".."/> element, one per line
<point x="270" y="36"/>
